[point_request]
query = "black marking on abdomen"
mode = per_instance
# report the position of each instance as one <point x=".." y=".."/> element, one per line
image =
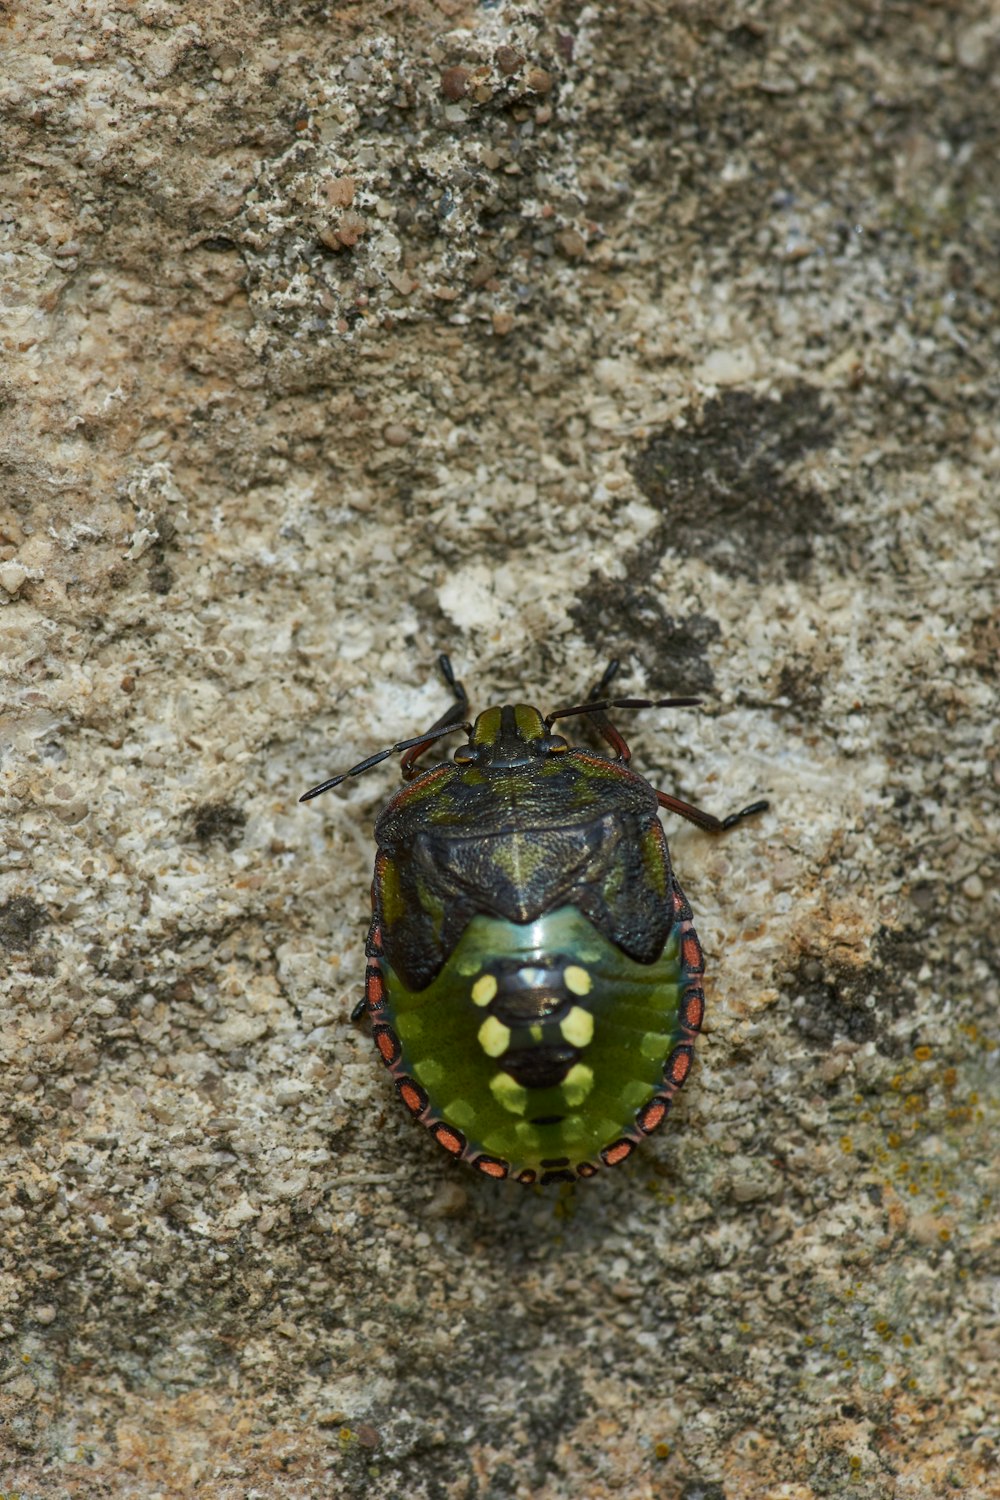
<point x="529" y="992"/>
<point x="543" y="1066"/>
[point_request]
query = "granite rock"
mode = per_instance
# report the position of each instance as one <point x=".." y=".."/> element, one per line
<point x="337" y="336"/>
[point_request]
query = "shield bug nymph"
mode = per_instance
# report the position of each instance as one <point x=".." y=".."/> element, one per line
<point x="534" y="979"/>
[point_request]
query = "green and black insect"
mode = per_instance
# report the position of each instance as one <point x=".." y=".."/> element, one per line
<point x="534" y="978"/>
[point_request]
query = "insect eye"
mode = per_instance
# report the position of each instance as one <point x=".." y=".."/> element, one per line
<point x="554" y="744"/>
<point x="464" y="755"/>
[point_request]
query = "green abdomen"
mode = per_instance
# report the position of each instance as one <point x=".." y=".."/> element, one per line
<point x="541" y="1050"/>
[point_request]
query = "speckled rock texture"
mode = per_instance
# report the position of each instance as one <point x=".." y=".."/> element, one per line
<point x="338" y="335"/>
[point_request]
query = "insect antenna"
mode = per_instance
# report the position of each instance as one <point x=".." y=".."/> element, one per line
<point x="373" y="760"/>
<point x="596" y="705"/>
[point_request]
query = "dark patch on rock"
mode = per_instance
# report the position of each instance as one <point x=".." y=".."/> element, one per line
<point x="619" y="617"/>
<point x="503" y="1481"/>
<point x="802" y="687"/>
<point x="700" y="1489"/>
<point x="747" y="36"/>
<point x="21" y="920"/>
<point x="546" y="1410"/>
<point x="723" y="486"/>
<point x="27" y="1128"/>
<point x="829" y="1005"/>
<point x="835" y="1002"/>
<point x="218" y="821"/>
<point x="983" y="644"/>
<point x="122" y="969"/>
<point x="160" y="575"/>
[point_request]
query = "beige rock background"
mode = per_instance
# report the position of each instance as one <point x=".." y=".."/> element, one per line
<point x="336" y="335"/>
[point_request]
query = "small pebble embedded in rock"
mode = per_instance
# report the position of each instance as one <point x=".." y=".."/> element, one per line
<point x="572" y="243"/>
<point x="539" y="81"/>
<point x="12" y="575"/>
<point x="508" y="60"/>
<point x="455" y="84"/>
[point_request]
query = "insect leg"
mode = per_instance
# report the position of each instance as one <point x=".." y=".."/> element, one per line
<point x="423" y="739"/>
<point x="599" y="690"/>
<point x="454" y="715"/>
<point x="600" y="720"/>
<point x="706" y="820"/>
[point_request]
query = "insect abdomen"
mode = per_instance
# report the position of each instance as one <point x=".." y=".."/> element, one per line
<point x="541" y="1049"/>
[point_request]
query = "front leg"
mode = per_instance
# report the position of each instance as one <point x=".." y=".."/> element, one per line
<point x="708" y="821"/>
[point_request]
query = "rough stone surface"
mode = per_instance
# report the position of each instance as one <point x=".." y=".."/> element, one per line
<point x="337" y="335"/>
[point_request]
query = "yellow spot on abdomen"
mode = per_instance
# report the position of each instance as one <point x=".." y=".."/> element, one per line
<point x="484" y="989"/>
<point x="578" y="1027"/>
<point x="494" y="1037"/>
<point x="508" y="1093"/>
<point x="654" y="1045"/>
<point x="460" y="1112"/>
<point x="577" y="1085"/>
<point x="577" y="980"/>
<point x="431" y="1074"/>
